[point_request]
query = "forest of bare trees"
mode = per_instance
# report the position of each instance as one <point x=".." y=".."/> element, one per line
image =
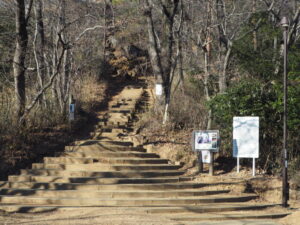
<point x="214" y="58"/>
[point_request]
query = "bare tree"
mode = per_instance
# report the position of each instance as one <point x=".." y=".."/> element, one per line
<point x="20" y="55"/>
<point x="39" y="44"/>
<point x="164" y="70"/>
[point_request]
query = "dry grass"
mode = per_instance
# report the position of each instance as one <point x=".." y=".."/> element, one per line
<point x="47" y="130"/>
<point x="89" y="92"/>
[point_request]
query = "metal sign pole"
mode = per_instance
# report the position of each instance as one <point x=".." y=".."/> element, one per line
<point x="285" y="190"/>
<point x="253" y="167"/>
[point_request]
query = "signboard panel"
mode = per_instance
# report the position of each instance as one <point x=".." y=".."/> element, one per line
<point x="206" y="140"/>
<point x="158" y="89"/>
<point x="72" y="108"/>
<point x="246" y="137"/>
<point x="72" y="112"/>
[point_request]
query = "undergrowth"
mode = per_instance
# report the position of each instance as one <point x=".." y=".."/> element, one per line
<point x="47" y="130"/>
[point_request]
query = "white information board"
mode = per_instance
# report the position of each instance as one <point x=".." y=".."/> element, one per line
<point x="246" y="137"/>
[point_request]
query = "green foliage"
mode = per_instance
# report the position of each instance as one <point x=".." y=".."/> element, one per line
<point x="260" y="93"/>
<point x="254" y="98"/>
<point x="246" y="98"/>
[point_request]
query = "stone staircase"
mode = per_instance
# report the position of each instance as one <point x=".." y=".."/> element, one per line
<point x="108" y="170"/>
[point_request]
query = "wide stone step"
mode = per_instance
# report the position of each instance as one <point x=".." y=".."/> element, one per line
<point x="113" y="130"/>
<point x="111" y="194"/>
<point x="107" y="134"/>
<point x="95" y="180"/>
<point x="210" y="208"/>
<point x="103" y="174"/>
<point x="120" y="106"/>
<point x="113" y="123"/>
<point x="100" y="148"/>
<point x="103" y="167"/>
<point x="132" y="160"/>
<point x="104" y="142"/>
<point x="123" y="202"/>
<point x="119" y="113"/>
<point x="109" y="128"/>
<point x="23" y="208"/>
<point x="244" y="215"/>
<point x="83" y="186"/>
<point x="109" y="131"/>
<point x="123" y="111"/>
<point x="114" y="117"/>
<point x="116" y="112"/>
<point x="70" y="160"/>
<point x="109" y="154"/>
<point x="73" y="160"/>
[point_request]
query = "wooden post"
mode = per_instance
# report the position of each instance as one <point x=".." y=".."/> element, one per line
<point x="211" y="165"/>
<point x="199" y="154"/>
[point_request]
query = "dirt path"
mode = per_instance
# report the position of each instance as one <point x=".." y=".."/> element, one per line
<point x="132" y="214"/>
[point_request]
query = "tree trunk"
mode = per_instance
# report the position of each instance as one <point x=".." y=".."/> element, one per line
<point x="207" y="55"/>
<point x="65" y="81"/>
<point x="153" y="48"/>
<point x="206" y="90"/>
<point x="166" y="110"/>
<point x="108" y="30"/>
<point x="39" y="48"/>
<point x="222" y="77"/>
<point x="40" y="42"/>
<point x="254" y="22"/>
<point x="19" y="58"/>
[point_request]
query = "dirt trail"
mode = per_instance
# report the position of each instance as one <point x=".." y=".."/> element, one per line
<point x="189" y="200"/>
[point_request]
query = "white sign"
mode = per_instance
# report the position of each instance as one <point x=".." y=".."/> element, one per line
<point x="206" y="140"/>
<point x="246" y="137"/>
<point x="158" y="89"/>
<point x="206" y="156"/>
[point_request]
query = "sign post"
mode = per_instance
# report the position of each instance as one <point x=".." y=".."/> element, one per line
<point x="72" y="109"/>
<point x="206" y="142"/>
<point x="246" y="139"/>
<point x="285" y="184"/>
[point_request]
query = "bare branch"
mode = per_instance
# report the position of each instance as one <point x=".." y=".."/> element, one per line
<point x="42" y="91"/>
<point x="28" y="11"/>
<point x="294" y="26"/>
<point x="90" y="29"/>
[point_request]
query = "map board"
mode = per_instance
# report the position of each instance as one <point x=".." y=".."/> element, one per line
<point x="246" y="137"/>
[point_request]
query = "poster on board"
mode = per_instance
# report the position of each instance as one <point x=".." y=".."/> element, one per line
<point x="206" y="156"/>
<point x="206" y="140"/>
<point x="246" y="137"/>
